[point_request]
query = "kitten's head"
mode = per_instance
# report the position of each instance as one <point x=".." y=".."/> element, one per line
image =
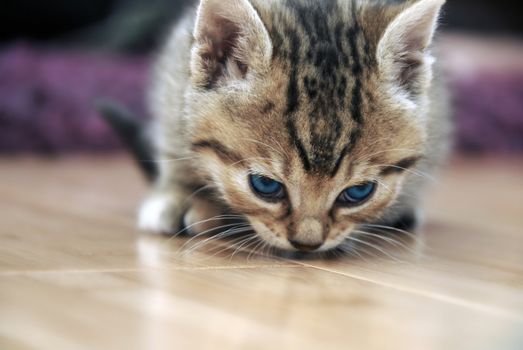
<point x="306" y="114"/>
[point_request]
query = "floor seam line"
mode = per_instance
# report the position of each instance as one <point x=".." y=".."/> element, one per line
<point x="431" y="295"/>
<point x="152" y="269"/>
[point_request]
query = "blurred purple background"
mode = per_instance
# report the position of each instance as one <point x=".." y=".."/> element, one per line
<point x="47" y="98"/>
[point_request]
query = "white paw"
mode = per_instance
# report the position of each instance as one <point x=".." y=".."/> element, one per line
<point x="159" y="214"/>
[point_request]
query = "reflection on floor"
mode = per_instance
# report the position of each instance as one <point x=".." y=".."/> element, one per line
<point x="75" y="274"/>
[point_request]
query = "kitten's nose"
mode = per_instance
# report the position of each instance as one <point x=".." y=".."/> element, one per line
<point x="308" y="236"/>
<point x="306" y="247"/>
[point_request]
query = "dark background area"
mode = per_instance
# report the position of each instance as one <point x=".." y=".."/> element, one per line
<point x="136" y="25"/>
<point x="125" y="25"/>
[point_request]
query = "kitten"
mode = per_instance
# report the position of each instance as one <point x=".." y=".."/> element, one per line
<point x="309" y="118"/>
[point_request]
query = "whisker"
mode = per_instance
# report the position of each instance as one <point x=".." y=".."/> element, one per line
<point x="215" y="248"/>
<point x="261" y="249"/>
<point x="203" y="233"/>
<point x="245" y="244"/>
<point x="270" y="250"/>
<point x="251" y="158"/>
<point x="400" y="193"/>
<point x="410" y="234"/>
<point x="390" y="240"/>
<point x="385" y="186"/>
<point x="411" y="171"/>
<point x="231" y="243"/>
<point x="373" y="246"/>
<point x="281" y="148"/>
<point x="254" y="249"/>
<point x="384" y="238"/>
<point x="367" y="157"/>
<point x="186" y="229"/>
<point x="352" y="250"/>
<point x="255" y="242"/>
<point x="220" y="236"/>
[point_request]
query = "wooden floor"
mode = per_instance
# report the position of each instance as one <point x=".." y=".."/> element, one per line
<point x="75" y="274"/>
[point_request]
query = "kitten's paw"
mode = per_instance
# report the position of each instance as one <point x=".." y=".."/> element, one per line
<point x="160" y="214"/>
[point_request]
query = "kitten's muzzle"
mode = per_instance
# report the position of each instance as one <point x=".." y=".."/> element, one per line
<point x="309" y="235"/>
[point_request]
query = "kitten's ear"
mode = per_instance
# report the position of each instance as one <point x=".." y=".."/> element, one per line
<point x="230" y="40"/>
<point x="403" y="49"/>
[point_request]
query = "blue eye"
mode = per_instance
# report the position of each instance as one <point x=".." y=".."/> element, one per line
<point x="357" y="194"/>
<point x="267" y="188"/>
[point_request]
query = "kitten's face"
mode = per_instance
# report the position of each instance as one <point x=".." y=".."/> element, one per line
<point x="307" y="146"/>
<point x="314" y="204"/>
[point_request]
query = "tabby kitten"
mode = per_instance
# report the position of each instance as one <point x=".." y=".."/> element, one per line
<point x="309" y="118"/>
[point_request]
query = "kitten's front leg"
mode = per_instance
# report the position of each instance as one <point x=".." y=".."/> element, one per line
<point x="162" y="212"/>
<point x="172" y="212"/>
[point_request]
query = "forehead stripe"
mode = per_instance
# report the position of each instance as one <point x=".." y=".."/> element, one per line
<point x="325" y="54"/>
<point x="291" y="129"/>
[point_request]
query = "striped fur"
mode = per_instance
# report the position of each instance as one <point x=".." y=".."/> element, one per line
<point x="317" y="94"/>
